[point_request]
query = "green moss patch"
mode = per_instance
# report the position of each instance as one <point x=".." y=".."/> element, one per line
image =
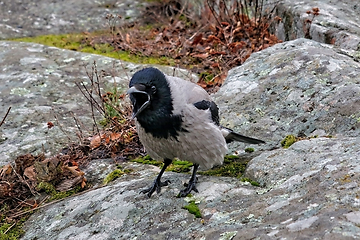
<point x="113" y="175"/>
<point x="65" y="41"/>
<point x="46" y="187"/>
<point x="176" y="166"/>
<point x="249" y="150"/>
<point x="61" y="195"/>
<point x="193" y="209"/>
<point x="180" y="166"/>
<point x="288" y="141"/>
<point x="230" y="168"/>
<point x="56" y="195"/>
<point x="82" y="43"/>
<point x="11" y="230"/>
<point x="148" y="160"/>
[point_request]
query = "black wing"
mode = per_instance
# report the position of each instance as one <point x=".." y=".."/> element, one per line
<point x="214" y="110"/>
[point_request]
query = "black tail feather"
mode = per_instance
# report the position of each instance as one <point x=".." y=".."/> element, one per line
<point x="233" y="136"/>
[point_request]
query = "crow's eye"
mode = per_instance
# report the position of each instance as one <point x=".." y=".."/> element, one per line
<point x="153" y="89"/>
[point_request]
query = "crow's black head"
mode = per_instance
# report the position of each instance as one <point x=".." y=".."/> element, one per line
<point x="152" y="102"/>
<point x="149" y="91"/>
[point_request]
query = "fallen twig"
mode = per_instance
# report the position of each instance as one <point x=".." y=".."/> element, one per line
<point x="3" y="120"/>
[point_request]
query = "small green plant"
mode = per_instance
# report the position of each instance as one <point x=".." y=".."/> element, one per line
<point x="206" y="77"/>
<point x="288" y="141"/>
<point x="193" y="209"/>
<point x="112" y="107"/>
<point x="113" y="175"/>
<point x="249" y="150"/>
<point x="252" y="182"/>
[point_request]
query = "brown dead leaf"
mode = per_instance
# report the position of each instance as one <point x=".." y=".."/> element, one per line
<point x="127" y="38"/>
<point x="279" y="19"/>
<point x="5" y="170"/>
<point x="107" y="138"/>
<point x="30" y="173"/>
<point x="83" y="183"/>
<point x="115" y="136"/>
<point x="214" y="52"/>
<point x="215" y="65"/>
<point x="68" y="184"/>
<point x="212" y="38"/>
<point x="95" y="141"/>
<point x="75" y="170"/>
<point x="197" y="39"/>
<point x="201" y="55"/>
<point x="73" y="163"/>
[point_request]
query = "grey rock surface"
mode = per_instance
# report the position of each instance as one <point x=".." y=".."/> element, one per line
<point x="38" y="83"/>
<point x="338" y="22"/>
<point x="300" y="87"/>
<point x="311" y="192"/>
<point x="31" y="18"/>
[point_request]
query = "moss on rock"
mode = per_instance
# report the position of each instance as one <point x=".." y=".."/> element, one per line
<point x="81" y="43"/>
<point x="288" y="141"/>
<point x="113" y="175"/>
<point x="193" y="209"/>
<point x="230" y="168"/>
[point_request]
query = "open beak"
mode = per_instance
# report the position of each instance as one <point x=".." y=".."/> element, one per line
<point x="136" y="111"/>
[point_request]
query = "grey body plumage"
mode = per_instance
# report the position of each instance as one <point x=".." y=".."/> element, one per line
<point x="177" y="119"/>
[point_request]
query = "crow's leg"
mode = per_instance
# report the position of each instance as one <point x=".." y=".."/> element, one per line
<point x="192" y="183"/>
<point x="157" y="183"/>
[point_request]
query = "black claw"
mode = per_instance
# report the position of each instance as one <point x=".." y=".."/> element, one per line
<point x="187" y="184"/>
<point x="191" y="186"/>
<point x="155" y="187"/>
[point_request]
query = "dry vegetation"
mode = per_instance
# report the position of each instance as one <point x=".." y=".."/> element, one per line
<point x="224" y="36"/>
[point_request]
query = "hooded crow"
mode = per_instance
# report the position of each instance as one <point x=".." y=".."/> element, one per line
<point x="177" y="119"/>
